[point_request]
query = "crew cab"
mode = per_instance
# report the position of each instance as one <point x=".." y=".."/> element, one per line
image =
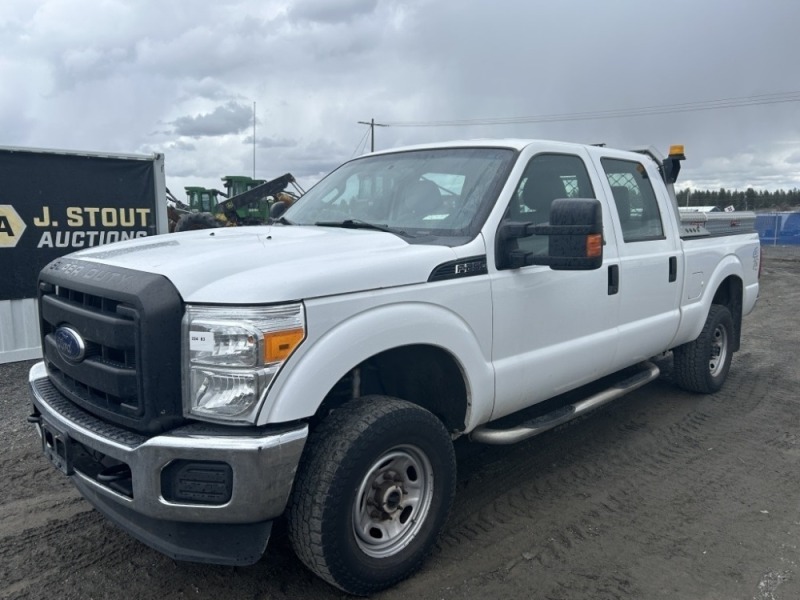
<point x="198" y="386"/>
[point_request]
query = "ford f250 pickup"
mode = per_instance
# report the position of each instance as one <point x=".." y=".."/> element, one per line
<point x="198" y="386"/>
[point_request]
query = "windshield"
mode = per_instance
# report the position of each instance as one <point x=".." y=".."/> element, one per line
<point x="444" y="192"/>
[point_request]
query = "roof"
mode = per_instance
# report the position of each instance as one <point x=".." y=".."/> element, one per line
<point x="519" y="144"/>
<point x="97" y="154"/>
<point x="513" y="143"/>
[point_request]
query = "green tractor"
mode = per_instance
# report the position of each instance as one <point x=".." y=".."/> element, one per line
<point x="245" y="201"/>
<point x="203" y="199"/>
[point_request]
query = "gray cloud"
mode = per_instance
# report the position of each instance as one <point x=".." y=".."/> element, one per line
<point x="325" y="11"/>
<point x="141" y="75"/>
<point x="76" y="66"/>
<point x="208" y="87"/>
<point x="311" y="158"/>
<point x="182" y="145"/>
<point x="270" y="142"/>
<point x="232" y="117"/>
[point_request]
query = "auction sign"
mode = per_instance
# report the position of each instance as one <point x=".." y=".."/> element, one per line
<point x="53" y="203"/>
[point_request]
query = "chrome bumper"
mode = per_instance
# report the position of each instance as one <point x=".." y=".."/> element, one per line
<point x="263" y="463"/>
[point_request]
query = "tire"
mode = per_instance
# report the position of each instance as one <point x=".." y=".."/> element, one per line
<point x="702" y="365"/>
<point x="194" y="221"/>
<point x="372" y="493"/>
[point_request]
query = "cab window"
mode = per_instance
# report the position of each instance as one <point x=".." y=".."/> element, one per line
<point x="635" y="200"/>
<point x="546" y="178"/>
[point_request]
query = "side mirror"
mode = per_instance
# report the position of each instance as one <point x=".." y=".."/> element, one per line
<point x="575" y="234"/>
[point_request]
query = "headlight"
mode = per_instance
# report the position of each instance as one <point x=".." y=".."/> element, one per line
<point x="232" y="354"/>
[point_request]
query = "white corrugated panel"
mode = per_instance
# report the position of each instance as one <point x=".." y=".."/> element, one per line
<point x="19" y="330"/>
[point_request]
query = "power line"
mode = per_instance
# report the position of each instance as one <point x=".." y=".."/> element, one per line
<point x="360" y="143"/>
<point x="363" y="148"/>
<point x="757" y="100"/>
<point x="372" y="125"/>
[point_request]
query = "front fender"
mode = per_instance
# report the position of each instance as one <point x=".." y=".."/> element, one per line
<point x="300" y="390"/>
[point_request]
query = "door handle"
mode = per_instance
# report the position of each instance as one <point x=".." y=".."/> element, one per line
<point x="673" y="268"/>
<point x="613" y="279"/>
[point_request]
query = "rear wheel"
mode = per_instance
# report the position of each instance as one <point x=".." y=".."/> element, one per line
<point x="703" y="365"/>
<point x="372" y="492"/>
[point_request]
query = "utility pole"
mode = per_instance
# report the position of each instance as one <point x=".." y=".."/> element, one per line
<point x="372" y="125"/>
<point x="254" y="139"/>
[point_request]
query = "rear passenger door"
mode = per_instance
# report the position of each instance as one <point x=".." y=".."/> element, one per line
<point x="649" y="259"/>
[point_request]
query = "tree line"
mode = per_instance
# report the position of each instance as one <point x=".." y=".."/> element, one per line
<point x="749" y="199"/>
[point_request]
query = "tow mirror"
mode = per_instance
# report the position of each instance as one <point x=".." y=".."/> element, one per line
<point x="575" y="232"/>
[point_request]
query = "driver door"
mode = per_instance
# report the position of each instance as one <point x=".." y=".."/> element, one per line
<point x="553" y="330"/>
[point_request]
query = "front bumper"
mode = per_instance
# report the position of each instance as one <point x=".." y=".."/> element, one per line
<point x="262" y="466"/>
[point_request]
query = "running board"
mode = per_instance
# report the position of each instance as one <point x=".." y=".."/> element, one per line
<point x="487" y="435"/>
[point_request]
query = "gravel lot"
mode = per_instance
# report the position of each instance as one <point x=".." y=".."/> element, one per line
<point x="662" y="494"/>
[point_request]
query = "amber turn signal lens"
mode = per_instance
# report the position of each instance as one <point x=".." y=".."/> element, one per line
<point x="594" y="245"/>
<point x="278" y="345"/>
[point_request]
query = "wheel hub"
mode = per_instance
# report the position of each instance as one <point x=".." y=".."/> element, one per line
<point x="388" y="497"/>
<point x="393" y="501"/>
<point x="719" y="349"/>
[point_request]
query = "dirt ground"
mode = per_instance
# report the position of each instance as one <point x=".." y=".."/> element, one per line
<point x="661" y="494"/>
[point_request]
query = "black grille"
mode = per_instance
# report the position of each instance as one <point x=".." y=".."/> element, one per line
<point x="130" y="325"/>
<point x="89" y="300"/>
<point x="107" y="377"/>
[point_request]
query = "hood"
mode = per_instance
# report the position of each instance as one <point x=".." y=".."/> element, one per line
<point x="246" y="265"/>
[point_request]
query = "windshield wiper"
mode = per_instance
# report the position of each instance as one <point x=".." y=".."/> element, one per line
<point x="359" y="224"/>
<point x="282" y="220"/>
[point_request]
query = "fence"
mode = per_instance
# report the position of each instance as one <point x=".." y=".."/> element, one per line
<point x="779" y="228"/>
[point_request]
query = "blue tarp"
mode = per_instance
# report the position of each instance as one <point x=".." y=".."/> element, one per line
<point x="779" y="228"/>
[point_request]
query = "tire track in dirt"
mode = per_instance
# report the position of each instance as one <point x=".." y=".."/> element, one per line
<point x="659" y="494"/>
<point x="19" y="516"/>
<point x="89" y="544"/>
<point x="530" y="487"/>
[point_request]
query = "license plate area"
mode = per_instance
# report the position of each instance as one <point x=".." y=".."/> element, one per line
<point x="57" y="447"/>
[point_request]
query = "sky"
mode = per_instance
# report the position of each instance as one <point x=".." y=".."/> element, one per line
<point x="181" y="78"/>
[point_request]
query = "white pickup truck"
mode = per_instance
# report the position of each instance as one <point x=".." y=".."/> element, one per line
<point x="198" y="386"/>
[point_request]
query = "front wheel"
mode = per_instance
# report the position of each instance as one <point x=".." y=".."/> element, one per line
<point x="703" y="365"/>
<point x="372" y="492"/>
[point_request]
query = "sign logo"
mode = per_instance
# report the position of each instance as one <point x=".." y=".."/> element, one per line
<point x="70" y="344"/>
<point x="11" y="226"/>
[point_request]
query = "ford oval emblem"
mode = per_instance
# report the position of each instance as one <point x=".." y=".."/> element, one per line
<point x="70" y="344"/>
